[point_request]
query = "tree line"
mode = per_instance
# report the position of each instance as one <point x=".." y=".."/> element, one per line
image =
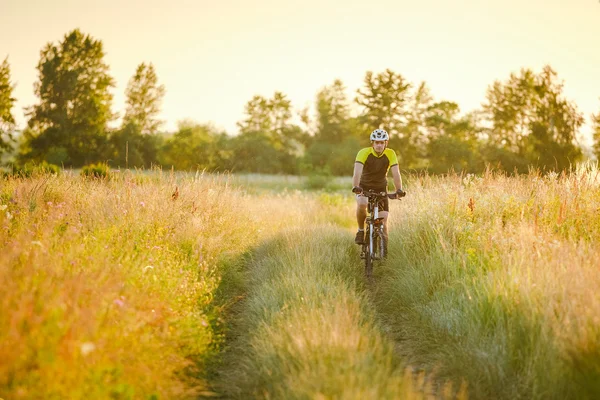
<point x="524" y="121"/>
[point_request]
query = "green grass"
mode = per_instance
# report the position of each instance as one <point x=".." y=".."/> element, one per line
<point x="305" y="328"/>
<point x="172" y="285"/>
<point x="108" y="285"/>
<point x="493" y="280"/>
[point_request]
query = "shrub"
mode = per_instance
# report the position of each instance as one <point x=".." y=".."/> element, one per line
<point x="99" y="170"/>
<point x="32" y="169"/>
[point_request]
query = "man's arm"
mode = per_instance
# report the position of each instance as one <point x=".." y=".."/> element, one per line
<point x="396" y="176"/>
<point x="358" y="169"/>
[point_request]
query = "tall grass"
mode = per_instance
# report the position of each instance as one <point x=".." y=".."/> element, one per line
<point x="495" y="279"/>
<point x="125" y="288"/>
<point x="305" y="329"/>
<point x="107" y="286"/>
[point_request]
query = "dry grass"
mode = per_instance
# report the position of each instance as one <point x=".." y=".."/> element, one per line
<point x="107" y="285"/>
<point x="305" y="329"/>
<point x="109" y="288"/>
<point x="495" y="279"/>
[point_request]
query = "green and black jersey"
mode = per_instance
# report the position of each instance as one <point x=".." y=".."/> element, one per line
<point x="375" y="167"/>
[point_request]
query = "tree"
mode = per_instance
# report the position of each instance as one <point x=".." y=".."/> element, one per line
<point x="271" y="119"/>
<point x="530" y="118"/>
<point x="383" y="99"/>
<point x="75" y="101"/>
<point x="337" y="134"/>
<point x="412" y="140"/>
<point x="253" y="151"/>
<point x="128" y="147"/>
<point x="7" y="121"/>
<point x="333" y="112"/>
<point x="144" y="97"/>
<point x="194" y="146"/>
<point x="452" y="139"/>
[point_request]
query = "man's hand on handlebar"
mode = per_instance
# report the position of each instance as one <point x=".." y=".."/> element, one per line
<point x="357" y="190"/>
<point x="400" y="193"/>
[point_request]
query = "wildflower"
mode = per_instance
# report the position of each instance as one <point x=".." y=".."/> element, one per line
<point x="119" y="302"/>
<point x="87" y="347"/>
<point x="3" y="207"/>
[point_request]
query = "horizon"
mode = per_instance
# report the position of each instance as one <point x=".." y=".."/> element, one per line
<point x="458" y="51"/>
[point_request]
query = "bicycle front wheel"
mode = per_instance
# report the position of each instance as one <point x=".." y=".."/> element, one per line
<point x="369" y="253"/>
<point x="381" y="245"/>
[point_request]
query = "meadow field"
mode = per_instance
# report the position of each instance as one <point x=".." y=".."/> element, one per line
<point x="159" y="285"/>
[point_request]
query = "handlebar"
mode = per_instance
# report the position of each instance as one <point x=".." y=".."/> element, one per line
<point x="379" y="195"/>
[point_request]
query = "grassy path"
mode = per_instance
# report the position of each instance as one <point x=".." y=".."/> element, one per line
<point x="491" y="281"/>
<point x="305" y="328"/>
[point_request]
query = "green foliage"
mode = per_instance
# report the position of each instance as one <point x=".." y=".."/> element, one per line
<point x="383" y="98"/>
<point x="501" y="158"/>
<point x="268" y="141"/>
<point x="7" y="120"/>
<point x="255" y="152"/>
<point x="75" y="100"/>
<point x="271" y="118"/>
<point x="57" y="155"/>
<point x="334" y="158"/>
<point x="99" y="170"/>
<point x="129" y="148"/>
<point x="333" y="123"/>
<point x="412" y="139"/>
<point x="33" y="169"/>
<point x="527" y="123"/>
<point x="194" y="146"/>
<point x="144" y="97"/>
<point x="450" y="153"/>
<point x="317" y="181"/>
<point x="531" y="118"/>
<point x="452" y="141"/>
<point x="388" y="102"/>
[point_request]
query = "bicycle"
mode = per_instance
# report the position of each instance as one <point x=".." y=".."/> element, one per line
<point x="374" y="246"/>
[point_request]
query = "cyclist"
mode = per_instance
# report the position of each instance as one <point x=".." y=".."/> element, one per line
<point x="370" y="173"/>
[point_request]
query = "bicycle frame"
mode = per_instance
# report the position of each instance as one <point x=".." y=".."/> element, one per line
<point x="374" y="247"/>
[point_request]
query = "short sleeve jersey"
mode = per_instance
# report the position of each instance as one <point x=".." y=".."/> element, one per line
<point x="375" y="167"/>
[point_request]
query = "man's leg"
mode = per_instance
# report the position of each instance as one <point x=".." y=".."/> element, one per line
<point x="385" y="214"/>
<point x="361" y="215"/>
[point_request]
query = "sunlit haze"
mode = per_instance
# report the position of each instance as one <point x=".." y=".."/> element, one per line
<point x="213" y="56"/>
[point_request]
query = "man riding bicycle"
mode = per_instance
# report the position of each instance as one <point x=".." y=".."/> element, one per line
<point x="370" y="173"/>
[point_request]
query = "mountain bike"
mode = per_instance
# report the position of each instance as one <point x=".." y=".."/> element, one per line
<point x="374" y="246"/>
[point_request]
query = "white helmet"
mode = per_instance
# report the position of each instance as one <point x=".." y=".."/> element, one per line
<point x="379" y="134"/>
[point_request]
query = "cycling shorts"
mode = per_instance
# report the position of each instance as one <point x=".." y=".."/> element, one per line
<point x="384" y="204"/>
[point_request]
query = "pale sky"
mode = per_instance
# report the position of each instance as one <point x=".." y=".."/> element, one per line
<point x="213" y="56"/>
